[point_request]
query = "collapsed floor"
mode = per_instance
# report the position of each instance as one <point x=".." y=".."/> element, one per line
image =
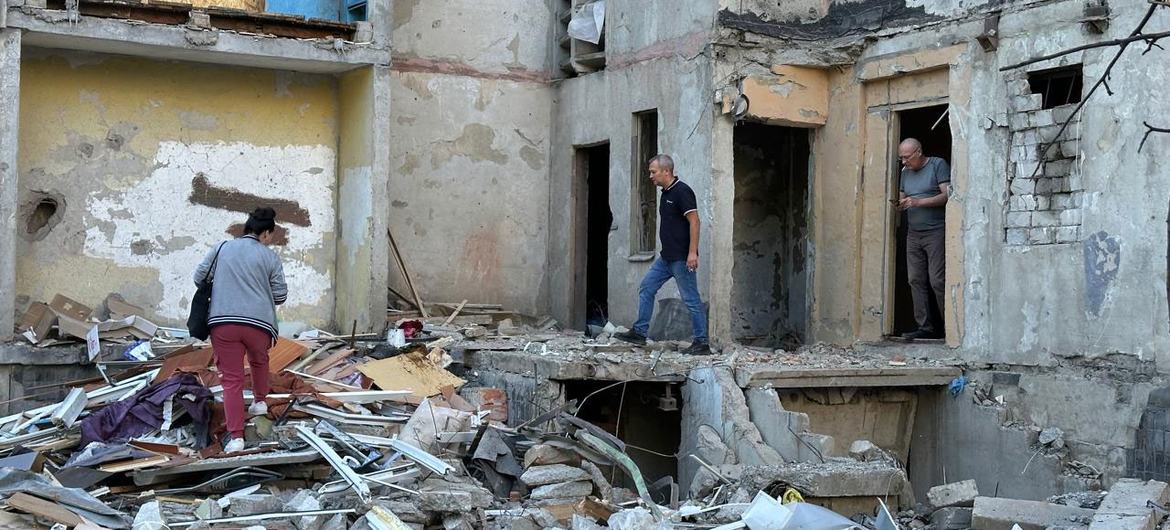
<point x="487" y="419"/>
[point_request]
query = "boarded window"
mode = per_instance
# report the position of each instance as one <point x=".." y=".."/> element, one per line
<point x="644" y="197"/>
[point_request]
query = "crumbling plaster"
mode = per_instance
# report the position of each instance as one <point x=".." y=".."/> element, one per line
<point x="469" y="149"/>
<point x="123" y="139"/>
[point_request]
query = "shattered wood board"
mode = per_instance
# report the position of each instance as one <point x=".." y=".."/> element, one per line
<point x="43" y="508"/>
<point x="284" y="353"/>
<point x="410" y="371"/>
<point x="846" y="377"/>
<point x="192" y="361"/>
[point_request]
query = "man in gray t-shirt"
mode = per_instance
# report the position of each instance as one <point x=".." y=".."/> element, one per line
<point x="925" y="188"/>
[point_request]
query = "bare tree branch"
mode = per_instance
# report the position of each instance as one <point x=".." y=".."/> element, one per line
<point x="1150" y="129"/>
<point x="1152" y="38"/>
<point x="1044" y="147"/>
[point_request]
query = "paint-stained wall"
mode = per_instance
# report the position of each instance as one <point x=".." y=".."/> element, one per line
<point x="152" y="163"/>
<point x="469" y="149"/>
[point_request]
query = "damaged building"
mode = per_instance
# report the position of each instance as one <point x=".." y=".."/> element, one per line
<point x="430" y="152"/>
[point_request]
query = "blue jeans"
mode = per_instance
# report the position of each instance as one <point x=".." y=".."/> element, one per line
<point x="688" y="286"/>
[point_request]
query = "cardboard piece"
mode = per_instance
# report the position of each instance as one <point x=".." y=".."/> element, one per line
<point x="135" y="326"/>
<point x="411" y="371"/>
<point x="119" y="308"/>
<point x="40" y="318"/>
<point x="71" y="308"/>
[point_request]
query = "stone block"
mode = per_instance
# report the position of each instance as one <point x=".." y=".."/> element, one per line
<point x="1017" y="236"/>
<point x="1043" y="202"/>
<point x="1025" y="138"/>
<point x="1068" y="234"/>
<point x="822" y="447"/>
<point x="1028" y="102"/>
<point x="1069" y="218"/>
<point x="1025" y="153"/>
<point x="199" y="19"/>
<point x="1019" y="121"/>
<point x="711" y="447"/>
<point x="254" y="504"/>
<point x="565" y="490"/>
<point x="1040" y="118"/>
<point x="1070" y="148"/>
<point x="1027" y="169"/>
<point x="953" y="494"/>
<point x="953" y="518"/>
<point x="776" y="425"/>
<point x="1019" y="87"/>
<point x="1062" y="113"/>
<point x="439" y="495"/>
<point x="1022" y="203"/>
<point x="1022" y="186"/>
<point x="1076" y="182"/>
<point x="553" y="474"/>
<point x="1044" y="186"/>
<point x="1045" y="218"/>
<point x="305" y="501"/>
<point x="1000" y="514"/>
<point x="542" y="454"/>
<point x="1058" y="168"/>
<point x="1018" y="220"/>
<point x="1042" y="236"/>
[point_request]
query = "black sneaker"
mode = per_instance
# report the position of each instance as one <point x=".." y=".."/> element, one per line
<point x="918" y="334"/>
<point x="631" y="337"/>
<point x="698" y="348"/>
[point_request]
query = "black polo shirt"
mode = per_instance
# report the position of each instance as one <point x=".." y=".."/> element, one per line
<point x="673" y="228"/>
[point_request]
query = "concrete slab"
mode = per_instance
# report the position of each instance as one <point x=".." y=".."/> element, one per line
<point x="1125" y="506"/>
<point x="798" y="377"/>
<point x="780" y="429"/>
<point x="953" y="494"/>
<point x="162" y="41"/>
<point x="1001" y="514"/>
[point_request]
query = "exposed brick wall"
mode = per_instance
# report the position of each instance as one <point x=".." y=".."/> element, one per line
<point x="1044" y="207"/>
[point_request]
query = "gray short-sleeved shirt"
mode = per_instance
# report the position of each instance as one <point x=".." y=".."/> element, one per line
<point x="924" y="183"/>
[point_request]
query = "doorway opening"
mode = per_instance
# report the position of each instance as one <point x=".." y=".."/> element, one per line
<point x="646" y="416"/>
<point x="930" y="126"/>
<point x="593" y="165"/>
<point x="770" y="235"/>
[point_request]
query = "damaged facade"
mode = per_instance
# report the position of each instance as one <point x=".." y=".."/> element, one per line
<point x="507" y="158"/>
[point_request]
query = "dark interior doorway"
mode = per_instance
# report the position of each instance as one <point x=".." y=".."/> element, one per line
<point x="646" y="416"/>
<point x="932" y="127"/>
<point x="770" y="235"/>
<point x="599" y="219"/>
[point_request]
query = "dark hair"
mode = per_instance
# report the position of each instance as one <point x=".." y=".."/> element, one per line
<point x="260" y="220"/>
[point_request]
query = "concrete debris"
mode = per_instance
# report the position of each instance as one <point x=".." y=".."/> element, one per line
<point x="953" y="494"/>
<point x="1052" y="437"/>
<point x="1132" y="504"/>
<point x="953" y="518"/>
<point x="553" y="474"/>
<point x="565" y="490"/>
<point x="543" y="455"/>
<point x="1002" y="514"/>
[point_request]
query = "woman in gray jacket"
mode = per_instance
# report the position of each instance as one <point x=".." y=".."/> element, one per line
<point x="248" y="284"/>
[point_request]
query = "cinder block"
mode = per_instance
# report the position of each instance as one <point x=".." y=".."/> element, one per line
<point x="363" y="31"/>
<point x="1021" y="186"/>
<point x="1068" y="234"/>
<point x="1044" y="186"/>
<point x="1045" y="218"/>
<point x="1017" y="236"/>
<point x="953" y="494"/>
<point x="1042" y="236"/>
<point x="1029" y="102"/>
<point x="1040" y="118"/>
<point x="1062" y="113"/>
<point x="1000" y="514"/>
<point x="1070" y="217"/>
<point x="1018" y="220"/>
<point x="1022" y="203"/>
<point x="1043" y="202"/>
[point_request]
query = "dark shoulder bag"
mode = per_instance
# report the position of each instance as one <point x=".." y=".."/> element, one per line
<point x="201" y="304"/>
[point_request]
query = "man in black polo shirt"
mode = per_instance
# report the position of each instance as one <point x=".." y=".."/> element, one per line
<point x="678" y="229"/>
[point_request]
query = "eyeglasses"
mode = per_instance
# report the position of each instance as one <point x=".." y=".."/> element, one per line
<point x="908" y="157"/>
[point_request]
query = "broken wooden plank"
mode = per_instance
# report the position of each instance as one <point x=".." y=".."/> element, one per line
<point x="284" y="353"/>
<point x="43" y="508"/>
<point x="455" y="313"/>
<point x="406" y="275"/>
<point x="300" y="365"/>
<point x="131" y="465"/>
<point x="328" y="362"/>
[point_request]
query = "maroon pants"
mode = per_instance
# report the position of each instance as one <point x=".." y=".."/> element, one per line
<point x="230" y="343"/>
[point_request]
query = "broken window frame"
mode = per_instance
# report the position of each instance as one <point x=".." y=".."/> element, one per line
<point x="1041" y="82"/>
<point x="643" y="194"/>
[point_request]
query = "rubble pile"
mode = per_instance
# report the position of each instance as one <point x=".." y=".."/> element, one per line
<point x="392" y="432"/>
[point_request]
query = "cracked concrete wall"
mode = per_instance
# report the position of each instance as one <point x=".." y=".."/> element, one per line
<point x="10" y="52"/>
<point x="656" y="59"/>
<point x="470" y="149"/>
<point x="156" y="161"/>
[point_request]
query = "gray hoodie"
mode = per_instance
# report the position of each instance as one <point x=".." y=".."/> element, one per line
<point x="248" y="284"/>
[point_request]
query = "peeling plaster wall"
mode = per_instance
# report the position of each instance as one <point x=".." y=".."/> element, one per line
<point x="122" y="141"/>
<point x="470" y="149"/>
<point x="651" y="65"/>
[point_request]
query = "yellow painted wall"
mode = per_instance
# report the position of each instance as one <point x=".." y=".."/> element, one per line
<point x="121" y="139"/>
